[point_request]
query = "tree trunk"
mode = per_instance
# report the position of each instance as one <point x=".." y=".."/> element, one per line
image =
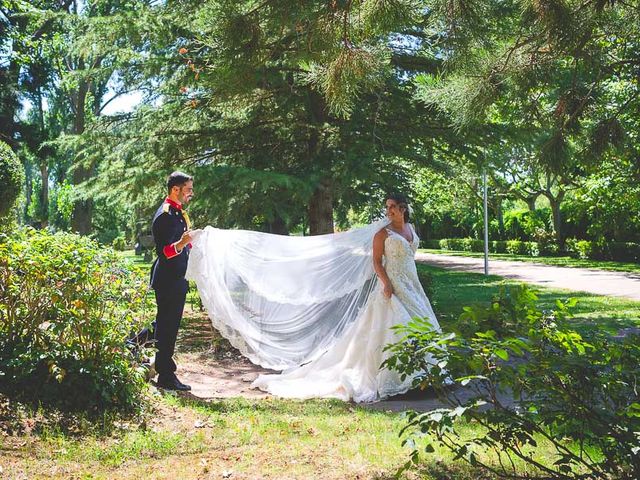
<point x="44" y="194"/>
<point x="557" y="218"/>
<point x="531" y="203"/>
<point x="82" y="209"/>
<point x="321" y="202"/>
<point x="321" y="209"/>
<point x="28" y="191"/>
<point x="500" y="217"/>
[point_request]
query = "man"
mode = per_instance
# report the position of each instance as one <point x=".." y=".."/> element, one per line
<point x="172" y="235"/>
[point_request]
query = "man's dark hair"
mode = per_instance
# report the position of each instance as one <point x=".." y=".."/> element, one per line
<point x="177" y="179"/>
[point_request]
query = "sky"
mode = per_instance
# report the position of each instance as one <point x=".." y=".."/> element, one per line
<point x="124" y="103"/>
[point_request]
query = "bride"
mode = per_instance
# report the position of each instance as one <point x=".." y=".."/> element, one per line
<point x="318" y="308"/>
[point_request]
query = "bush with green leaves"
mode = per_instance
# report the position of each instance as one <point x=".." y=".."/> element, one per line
<point x="11" y="179"/>
<point x="66" y="307"/>
<point x="119" y="243"/>
<point x="516" y="247"/>
<point x="433" y="244"/>
<point x="498" y="246"/>
<point x="523" y="224"/>
<point x="602" y="250"/>
<point x="624" y="251"/>
<point x="550" y="402"/>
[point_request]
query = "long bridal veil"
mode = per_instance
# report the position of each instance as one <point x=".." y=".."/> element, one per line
<point x="283" y="300"/>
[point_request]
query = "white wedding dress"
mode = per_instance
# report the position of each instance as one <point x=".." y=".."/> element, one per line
<point x="311" y="307"/>
<point x="350" y="370"/>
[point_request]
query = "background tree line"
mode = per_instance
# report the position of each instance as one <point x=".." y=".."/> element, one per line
<point x="298" y="118"/>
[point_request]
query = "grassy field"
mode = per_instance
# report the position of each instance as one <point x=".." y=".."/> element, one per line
<point x="189" y="438"/>
<point x="557" y="261"/>
<point x="454" y="290"/>
<point x="238" y="439"/>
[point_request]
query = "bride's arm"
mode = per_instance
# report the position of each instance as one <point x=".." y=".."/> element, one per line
<point x="378" y="251"/>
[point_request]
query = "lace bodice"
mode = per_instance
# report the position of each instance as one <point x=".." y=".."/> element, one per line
<point x="400" y="266"/>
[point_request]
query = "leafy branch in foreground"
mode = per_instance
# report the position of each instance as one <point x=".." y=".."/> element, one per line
<point x="551" y="403"/>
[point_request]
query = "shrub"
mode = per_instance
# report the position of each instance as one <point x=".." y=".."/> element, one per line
<point x="452" y="244"/>
<point x="11" y="179"/>
<point x="532" y="249"/>
<point x="546" y="241"/>
<point x="523" y="224"/>
<point x="476" y="245"/>
<point x="498" y="246"/>
<point x="119" y="243"/>
<point x="457" y="244"/>
<point x="433" y="244"/>
<point x="617" y="251"/>
<point x="461" y="244"/>
<point x="66" y="307"/>
<point x="624" y="251"/>
<point x="532" y="383"/>
<point x="516" y="247"/>
<point x="586" y="249"/>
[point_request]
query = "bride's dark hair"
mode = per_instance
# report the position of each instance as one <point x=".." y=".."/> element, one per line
<point x="402" y="202"/>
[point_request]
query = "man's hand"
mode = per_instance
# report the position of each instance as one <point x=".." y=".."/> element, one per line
<point x="184" y="240"/>
<point x="388" y="290"/>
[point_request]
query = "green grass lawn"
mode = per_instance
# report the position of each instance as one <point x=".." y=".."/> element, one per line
<point x="557" y="261"/>
<point x="237" y="439"/>
<point x="454" y="290"/>
<point x="190" y="438"/>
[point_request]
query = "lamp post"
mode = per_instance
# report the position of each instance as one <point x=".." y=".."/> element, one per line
<point x="486" y="221"/>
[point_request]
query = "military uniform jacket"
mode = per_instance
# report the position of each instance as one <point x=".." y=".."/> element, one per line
<point x="169" y="223"/>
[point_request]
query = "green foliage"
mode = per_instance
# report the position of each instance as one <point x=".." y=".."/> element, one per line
<point x="531" y="383"/>
<point x="602" y="250"/>
<point x="586" y="249"/>
<point x="269" y="105"/>
<point x="525" y="224"/>
<point x="433" y="244"/>
<point x="624" y="251"/>
<point x="11" y="179"/>
<point x="119" y="243"/>
<point x="583" y="249"/>
<point x="462" y="244"/>
<point x="66" y="307"/>
<point x="61" y="206"/>
<point x="498" y="246"/>
<point x="515" y="247"/>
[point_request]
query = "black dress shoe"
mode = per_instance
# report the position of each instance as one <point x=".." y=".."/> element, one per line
<point x="173" y="384"/>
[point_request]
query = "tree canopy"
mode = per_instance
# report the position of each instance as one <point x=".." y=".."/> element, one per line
<point x="295" y="117"/>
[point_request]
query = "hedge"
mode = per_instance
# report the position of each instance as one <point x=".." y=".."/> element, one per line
<point x="584" y="249"/>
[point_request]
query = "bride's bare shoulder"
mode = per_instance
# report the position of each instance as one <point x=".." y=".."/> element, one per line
<point x="381" y="234"/>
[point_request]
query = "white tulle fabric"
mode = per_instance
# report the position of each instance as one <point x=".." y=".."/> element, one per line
<point x="350" y="369"/>
<point x="282" y="300"/>
<point x="310" y="306"/>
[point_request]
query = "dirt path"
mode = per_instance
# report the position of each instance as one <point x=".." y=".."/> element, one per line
<point x="214" y="369"/>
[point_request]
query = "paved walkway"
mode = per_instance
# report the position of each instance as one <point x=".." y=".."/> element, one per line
<point x="600" y="282"/>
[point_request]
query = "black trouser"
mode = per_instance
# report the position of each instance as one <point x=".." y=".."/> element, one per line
<point x="170" y="302"/>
